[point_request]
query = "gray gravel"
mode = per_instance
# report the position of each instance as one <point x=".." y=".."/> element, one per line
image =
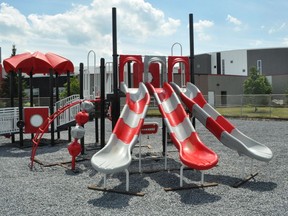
<point x="57" y="190"/>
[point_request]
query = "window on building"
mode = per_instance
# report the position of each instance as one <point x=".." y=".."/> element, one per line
<point x="223" y="66"/>
<point x="259" y="66"/>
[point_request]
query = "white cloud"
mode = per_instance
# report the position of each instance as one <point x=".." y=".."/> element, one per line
<point x="85" y="26"/>
<point x="14" y="26"/>
<point x="233" y="20"/>
<point x="201" y="27"/>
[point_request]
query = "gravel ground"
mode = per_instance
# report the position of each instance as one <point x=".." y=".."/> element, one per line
<point x="57" y="190"/>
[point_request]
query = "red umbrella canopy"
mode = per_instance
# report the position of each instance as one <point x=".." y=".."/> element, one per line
<point x="38" y="63"/>
<point x="12" y="63"/>
<point x="59" y="63"/>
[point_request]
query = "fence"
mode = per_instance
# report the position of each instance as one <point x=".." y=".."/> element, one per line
<point x="267" y="106"/>
<point x="8" y="120"/>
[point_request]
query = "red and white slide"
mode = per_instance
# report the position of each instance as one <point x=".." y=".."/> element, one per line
<point x="116" y="155"/>
<point x="218" y="125"/>
<point x="192" y="151"/>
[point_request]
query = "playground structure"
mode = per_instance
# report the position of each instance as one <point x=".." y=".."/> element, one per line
<point x="180" y="128"/>
<point x="153" y="74"/>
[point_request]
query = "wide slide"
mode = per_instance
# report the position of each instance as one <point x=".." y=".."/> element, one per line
<point x="116" y="155"/>
<point x="193" y="153"/>
<point x="223" y="130"/>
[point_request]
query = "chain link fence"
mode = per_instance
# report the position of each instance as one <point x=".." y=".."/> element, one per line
<point x="262" y="106"/>
<point x="254" y="106"/>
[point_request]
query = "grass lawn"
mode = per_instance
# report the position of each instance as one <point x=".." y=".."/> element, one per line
<point x="251" y="112"/>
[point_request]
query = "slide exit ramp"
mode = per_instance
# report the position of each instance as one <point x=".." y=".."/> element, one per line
<point x="192" y="151"/>
<point x="116" y="155"/>
<point x="218" y="125"/>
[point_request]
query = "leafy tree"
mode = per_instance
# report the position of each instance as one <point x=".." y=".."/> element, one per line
<point x="5" y="86"/>
<point x="256" y="83"/>
<point x="74" y="87"/>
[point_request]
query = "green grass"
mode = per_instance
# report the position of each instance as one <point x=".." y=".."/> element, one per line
<point x="247" y="112"/>
<point x="251" y="112"/>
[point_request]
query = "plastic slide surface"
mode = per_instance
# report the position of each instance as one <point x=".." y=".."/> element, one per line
<point x="193" y="153"/>
<point x="116" y="155"/>
<point x="225" y="132"/>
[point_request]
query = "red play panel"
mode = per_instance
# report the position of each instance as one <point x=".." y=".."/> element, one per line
<point x="34" y="118"/>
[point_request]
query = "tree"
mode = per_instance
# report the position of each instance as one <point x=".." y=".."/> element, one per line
<point x="5" y="86"/>
<point x="256" y="83"/>
<point x="74" y="87"/>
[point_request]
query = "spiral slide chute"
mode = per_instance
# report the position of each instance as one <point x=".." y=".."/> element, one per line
<point x="192" y="151"/>
<point x="116" y="155"/>
<point x="218" y="125"/>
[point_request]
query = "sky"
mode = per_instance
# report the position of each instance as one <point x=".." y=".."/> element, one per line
<point x="71" y="28"/>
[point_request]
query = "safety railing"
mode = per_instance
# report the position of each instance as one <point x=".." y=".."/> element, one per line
<point x="69" y="114"/>
<point x="8" y="120"/>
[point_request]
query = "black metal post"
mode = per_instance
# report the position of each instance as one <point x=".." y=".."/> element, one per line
<point x="31" y="94"/>
<point x="20" y="105"/>
<point x="129" y="75"/>
<point x="68" y="94"/>
<point x="51" y="105"/>
<point x="81" y="72"/>
<point x="12" y="97"/>
<point x="102" y="111"/>
<point x="164" y="137"/>
<point x="57" y="98"/>
<point x="191" y="33"/>
<point x="116" y="96"/>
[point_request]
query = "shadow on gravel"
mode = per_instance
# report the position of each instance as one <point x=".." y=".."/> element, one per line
<point x="188" y="196"/>
<point x="252" y="184"/>
<point x="260" y="186"/>
<point x="113" y="200"/>
<point x="13" y="149"/>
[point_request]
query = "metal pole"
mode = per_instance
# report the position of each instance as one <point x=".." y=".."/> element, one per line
<point x="51" y="86"/>
<point x="173" y="47"/>
<point x="12" y="98"/>
<point x="129" y="75"/>
<point x="81" y="72"/>
<point x="102" y="111"/>
<point x="20" y="106"/>
<point x="191" y="33"/>
<point x="57" y="99"/>
<point x="116" y="97"/>
<point x="31" y="94"/>
<point x="94" y="68"/>
<point x="68" y="94"/>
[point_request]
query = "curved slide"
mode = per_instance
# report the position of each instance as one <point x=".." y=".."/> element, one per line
<point x="193" y="153"/>
<point x="223" y="130"/>
<point x="116" y="155"/>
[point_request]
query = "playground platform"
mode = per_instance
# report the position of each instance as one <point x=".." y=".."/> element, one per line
<point x="56" y="190"/>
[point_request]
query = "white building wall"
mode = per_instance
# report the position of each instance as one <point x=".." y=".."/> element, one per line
<point x="234" y="62"/>
<point x="213" y="63"/>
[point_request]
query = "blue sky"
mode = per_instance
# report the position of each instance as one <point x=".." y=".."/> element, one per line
<point x="72" y="28"/>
